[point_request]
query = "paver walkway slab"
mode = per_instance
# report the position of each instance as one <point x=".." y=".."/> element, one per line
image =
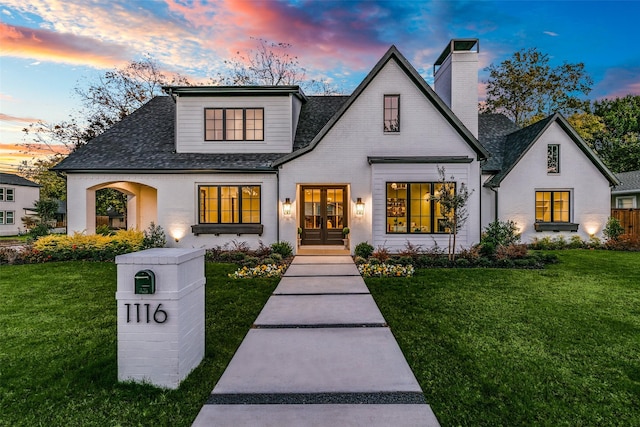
<point x="317" y="416"/>
<point x="326" y="360"/>
<point x="320" y="310"/>
<point x="322" y="285"/>
<point x="324" y="270"/>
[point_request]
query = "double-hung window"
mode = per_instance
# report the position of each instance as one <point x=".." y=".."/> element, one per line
<point x="234" y="124"/>
<point x="553" y="206"/>
<point x="391" y="110"/>
<point x="7" y="194"/>
<point x="229" y="204"/>
<point x="412" y="207"/>
<point x="7" y="217"/>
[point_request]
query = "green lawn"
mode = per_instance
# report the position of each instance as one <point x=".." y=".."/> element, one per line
<point x="557" y="347"/>
<point x="58" y="363"/>
<point x="494" y="347"/>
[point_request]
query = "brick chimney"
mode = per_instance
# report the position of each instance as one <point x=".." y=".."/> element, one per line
<point x="456" y="80"/>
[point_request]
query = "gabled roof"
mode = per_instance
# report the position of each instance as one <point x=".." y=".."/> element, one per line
<point x="394" y="54"/>
<point x="11" y="179"/>
<point x="315" y="113"/>
<point x="516" y="144"/>
<point x="235" y="91"/>
<point x="144" y="141"/>
<point x="629" y="183"/>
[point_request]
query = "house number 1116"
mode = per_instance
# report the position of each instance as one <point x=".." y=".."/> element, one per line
<point x="143" y="313"/>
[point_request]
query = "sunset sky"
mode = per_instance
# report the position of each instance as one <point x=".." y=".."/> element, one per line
<point x="47" y="47"/>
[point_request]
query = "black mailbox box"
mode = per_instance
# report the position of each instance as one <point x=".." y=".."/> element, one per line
<point x="145" y="282"/>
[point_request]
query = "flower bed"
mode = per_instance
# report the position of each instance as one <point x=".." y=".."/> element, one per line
<point x="385" y="270"/>
<point x="264" y="270"/>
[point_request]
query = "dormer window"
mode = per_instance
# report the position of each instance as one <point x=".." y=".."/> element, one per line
<point x="391" y="113"/>
<point x="553" y="158"/>
<point x="234" y="124"/>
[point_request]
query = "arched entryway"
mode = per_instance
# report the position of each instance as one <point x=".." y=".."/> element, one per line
<point x="141" y="204"/>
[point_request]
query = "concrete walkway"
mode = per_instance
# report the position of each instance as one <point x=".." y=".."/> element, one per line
<point x="320" y="354"/>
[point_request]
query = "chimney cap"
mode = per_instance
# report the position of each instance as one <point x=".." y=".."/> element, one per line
<point x="457" y="45"/>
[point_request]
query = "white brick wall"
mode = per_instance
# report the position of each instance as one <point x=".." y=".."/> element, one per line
<point x="162" y="354"/>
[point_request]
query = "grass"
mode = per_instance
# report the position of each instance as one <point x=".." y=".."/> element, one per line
<point x="493" y="347"/>
<point x="58" y="360"/>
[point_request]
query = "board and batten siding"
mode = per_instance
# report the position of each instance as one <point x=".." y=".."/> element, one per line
<point x="278" y="128"/>
<point x="384" y="173"/>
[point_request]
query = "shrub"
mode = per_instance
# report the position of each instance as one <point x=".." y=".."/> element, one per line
<point x="359" y="260"/>
<point x="381" y="254"/>
<point x="496" y="234"/>
<point x="624" y="242"/>
<point x="363" y="250"/>
<point x="80" y="246"/>
<point x="613" y="229"/>
<point x="154" y="237"/>
<point x="462" y="262"/>
<point x="575" y="242"/>
<point x="104" y="230"/>
<point x="263" y="270"/>
<point x="38" y="231"/>
<point x="512" y="251"/>
<point x="283" y="248"/>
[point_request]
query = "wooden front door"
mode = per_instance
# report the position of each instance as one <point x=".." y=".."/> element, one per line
<point x="323" y="214"/>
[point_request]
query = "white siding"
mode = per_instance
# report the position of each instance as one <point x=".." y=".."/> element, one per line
<point x="278" y="136"/>
<point x="590" y="192"/>
<point x="341" y="157"/>
<point x="24" y="197"/>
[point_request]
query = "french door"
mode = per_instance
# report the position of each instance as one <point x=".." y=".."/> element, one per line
<point x="323" y="214"/>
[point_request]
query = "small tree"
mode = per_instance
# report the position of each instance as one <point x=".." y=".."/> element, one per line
<point x="613" y="230"/>
<point x="453" y="205"/>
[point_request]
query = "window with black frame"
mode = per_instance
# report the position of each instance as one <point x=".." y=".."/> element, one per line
<point x="229" y="204"/>
<point x="413" y="207"/>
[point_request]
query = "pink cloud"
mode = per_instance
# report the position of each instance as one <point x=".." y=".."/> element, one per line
<point x="8" y="118"/>
<point x="22" y="42"/>
<point x="618" y="82"/>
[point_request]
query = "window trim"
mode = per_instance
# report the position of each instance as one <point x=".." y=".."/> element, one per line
<point x="551" y="202"/>
<point x="4" y="216"/>
<point x="633" y="201"/>
<point x="224" y="124"/>
<point x="556" y="170"/>
<point x="433" y="217"/>
<point x="219" y="197"/>
<point x="384" y="109"/>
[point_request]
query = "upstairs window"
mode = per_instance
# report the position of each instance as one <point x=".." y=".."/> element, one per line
<point x="234" y="124"/>
<point x="553" y="158"/>
<point x="7" y="194"/>
<point x="229" y="204"/>
<point x="6" y="217"/>
<point x="392" y="113"/>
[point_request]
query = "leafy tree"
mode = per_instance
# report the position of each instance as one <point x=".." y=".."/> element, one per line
<point x="619" y="143"/>
<point x="53" y="186"/>
<point x="46" y="209"/>
<point x="525" y="87"/>
<point x="453" y="206"/>
<point x="589" y="126"/>
<point x="110" y="198"/>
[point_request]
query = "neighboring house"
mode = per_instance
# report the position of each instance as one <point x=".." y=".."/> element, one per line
<point x="626" y="195"/>
<point x="17" y="195"/>
<point x="212" y="164"/>
<point x="625" y="201"/>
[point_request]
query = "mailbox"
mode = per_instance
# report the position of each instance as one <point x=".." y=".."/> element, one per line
<point x="145" y="282"/>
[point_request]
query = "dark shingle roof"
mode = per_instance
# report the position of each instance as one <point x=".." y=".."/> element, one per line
<point x="629" y="181"/>
<point x="315" y="113"/>
<point x="11" y="179"/>
<point x="492" y="133"/>
<point x="144" y="140"/>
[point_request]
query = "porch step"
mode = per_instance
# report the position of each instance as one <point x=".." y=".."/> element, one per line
<point x="322" y="250"/>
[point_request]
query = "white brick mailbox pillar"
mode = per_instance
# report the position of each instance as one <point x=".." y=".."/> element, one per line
<point x="161" y="330"/>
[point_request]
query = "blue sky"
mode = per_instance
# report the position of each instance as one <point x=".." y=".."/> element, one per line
<point x="49" y="46"/>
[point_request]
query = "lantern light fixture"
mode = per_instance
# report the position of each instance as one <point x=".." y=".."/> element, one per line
<point x="359" y="207"/>
<point x="286" y="207"/>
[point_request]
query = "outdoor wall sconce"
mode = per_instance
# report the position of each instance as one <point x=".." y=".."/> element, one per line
<point x="359" y="207"/>
<point x="286" y="207"/>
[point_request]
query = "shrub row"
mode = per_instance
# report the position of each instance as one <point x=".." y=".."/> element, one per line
<point x="241" y="254"/>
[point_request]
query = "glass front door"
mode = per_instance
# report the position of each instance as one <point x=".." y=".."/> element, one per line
<point x="323" y="216"/>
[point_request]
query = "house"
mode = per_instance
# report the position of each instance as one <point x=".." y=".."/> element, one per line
<point x="211" y="164"/>
<point x="17" y="195"/>
<point x="625" y="201"/>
